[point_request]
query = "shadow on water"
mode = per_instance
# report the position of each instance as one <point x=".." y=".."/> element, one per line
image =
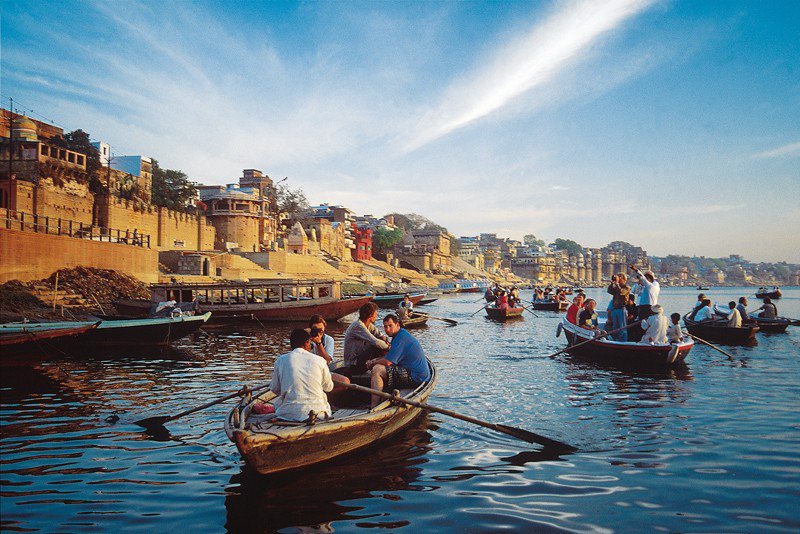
<point x="319" y="496"/>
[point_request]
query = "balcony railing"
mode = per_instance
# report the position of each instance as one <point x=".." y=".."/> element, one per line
<point x="18" y="220"/>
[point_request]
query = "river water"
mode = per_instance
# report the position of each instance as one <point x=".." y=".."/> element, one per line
<point x="713" y="446"/>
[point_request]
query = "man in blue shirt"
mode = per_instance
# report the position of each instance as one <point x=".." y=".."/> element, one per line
<point x="404" y="366"/>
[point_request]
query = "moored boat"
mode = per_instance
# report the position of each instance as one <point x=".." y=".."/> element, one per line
<point x="423" y="302"/>
<point x="503" y="314"/>
<point x="632" y="354"/>
<point x="269" y="300"/>
<point x="720" y="332"/>
<point x="550" y="305"/>
<point x="123" y="333"/>
<point x="25" y="340"/>
<point x="269" y="446"/>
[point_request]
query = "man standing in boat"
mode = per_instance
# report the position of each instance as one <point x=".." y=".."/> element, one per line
<point x="301" y="379"/>
<point x="362" y="340"/>
<point x="404" y="366"/>
<point x="619" y="290"/>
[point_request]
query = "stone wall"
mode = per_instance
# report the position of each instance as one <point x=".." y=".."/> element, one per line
<point x="236" y="229"/>
<point x="26" y="256"/>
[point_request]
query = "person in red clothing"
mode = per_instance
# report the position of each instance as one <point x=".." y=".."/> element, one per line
<point x="575" y="308"/>
<point x="502" y="300"/>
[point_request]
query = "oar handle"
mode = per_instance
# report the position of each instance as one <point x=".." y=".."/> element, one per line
<point x="217" y="401"/>
<point x="493" y="426"/>
<point x="595" y="338"/>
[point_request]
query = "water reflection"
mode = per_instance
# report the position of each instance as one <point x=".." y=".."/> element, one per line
<point x="328" y="493"/>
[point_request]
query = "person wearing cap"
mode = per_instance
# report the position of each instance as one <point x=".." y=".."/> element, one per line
<point x="655" y="326"/>
<point x="698" y="306"/>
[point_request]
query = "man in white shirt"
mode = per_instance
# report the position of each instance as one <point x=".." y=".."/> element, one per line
<point x="650" y="290"/>
<point x="300" y="379"/>
<point x="655" y="327"/>
<point x="734" y="317"/>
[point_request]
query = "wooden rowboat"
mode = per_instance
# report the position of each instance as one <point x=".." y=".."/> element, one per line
<point x="629" y="354"/>
<point x="123" y="333"/>
<point x="393" y="300"/>
<point x="774" y="294"/>
<point x="720" y="332"/>
<point x="765" y="325"/>
<point x="269" y="446"/>
<point x="550" y="305"/>
<point x="416" y="320"/>
<point x="503" y="314"/>
<point x="35" y="340"/>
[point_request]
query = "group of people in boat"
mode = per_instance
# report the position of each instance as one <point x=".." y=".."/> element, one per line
<point x="704" y="311"/>
<point x="502" y="297"/>
<point x="301" y="379"/>
<point x="623" y="309"/>
<point x="547" y="294"/>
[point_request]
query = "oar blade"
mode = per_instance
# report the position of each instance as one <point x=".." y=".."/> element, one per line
<point x="153" y="422"/>
<point x="532" y="437"/>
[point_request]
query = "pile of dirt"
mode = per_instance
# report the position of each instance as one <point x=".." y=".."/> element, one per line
<point x="104" y="285"/>
<point x="95" y="291"/>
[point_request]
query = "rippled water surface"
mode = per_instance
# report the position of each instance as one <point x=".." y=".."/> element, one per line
<point x="712" y="446"/>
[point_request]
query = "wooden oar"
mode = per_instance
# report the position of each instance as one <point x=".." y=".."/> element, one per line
<point x="451" y="322"/>
<point x="601" y="336"/>
<point x="519" y="433"/>
<point x="155" y="422"/>
<point x="701" y="340"/>
<point x="483" y="308"/>
<point x="530" y="310"/>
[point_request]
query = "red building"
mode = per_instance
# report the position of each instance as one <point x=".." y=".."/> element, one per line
<point x="363" y="239"/>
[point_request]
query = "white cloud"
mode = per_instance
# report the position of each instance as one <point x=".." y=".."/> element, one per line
<point x="532" y="60"/>
<point x="790" y="150"/>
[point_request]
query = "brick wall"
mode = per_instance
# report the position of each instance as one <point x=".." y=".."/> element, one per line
<point x="31" y="256"/>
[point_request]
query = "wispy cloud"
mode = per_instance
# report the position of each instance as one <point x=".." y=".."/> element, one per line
<point x="791" y="149"/>
<point x="532" y="60"/>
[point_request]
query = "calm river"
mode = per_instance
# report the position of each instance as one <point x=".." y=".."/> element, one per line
<point x="713" y="446"/>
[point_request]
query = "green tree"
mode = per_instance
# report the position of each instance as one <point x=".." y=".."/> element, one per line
<point x="80" y="141"/>
<point x="532" y="241"/>
<point x="282" y="199"/>
<point x="567" y="244"/>
<point x="172" y="189"/>
<point x="383" y="239"/>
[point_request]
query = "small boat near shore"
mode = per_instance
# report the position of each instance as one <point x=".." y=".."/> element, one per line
<point x="627" y="353"/>
<point x="23" y="340"/>
<point x="393" y="300"/>
<point x="550" y="305"/>
<point x="123" y="333"/>
<point x="270" y="446"/>
<point x="720" y="332"/>
<point x="503" y="314"/>
<point x="267" y="300"/>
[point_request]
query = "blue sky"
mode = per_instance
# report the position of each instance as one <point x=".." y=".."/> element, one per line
<point x="674" y="125"/>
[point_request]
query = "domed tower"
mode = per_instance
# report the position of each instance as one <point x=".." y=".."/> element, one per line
<point x="25" y="129"/>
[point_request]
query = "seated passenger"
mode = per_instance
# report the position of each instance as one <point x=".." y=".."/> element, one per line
<point x="300" y="379"/>
<point x="770" y="310"/>
<point x="502" y="300"/>
<point x="404" y="366"/>
<point x="674" y="332"/>
<point x="655" y="327"/>
<point x="325" y="346"/>
<point x="704" y="313"/>
<point x="742" y="307"/>
<point x="587" y="318"/>
<point x="575" y="308"/>
<point x="734" y="317"/>
<point x="362" y="341"/>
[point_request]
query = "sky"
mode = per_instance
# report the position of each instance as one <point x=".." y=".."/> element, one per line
<point x="673" y="125"/>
